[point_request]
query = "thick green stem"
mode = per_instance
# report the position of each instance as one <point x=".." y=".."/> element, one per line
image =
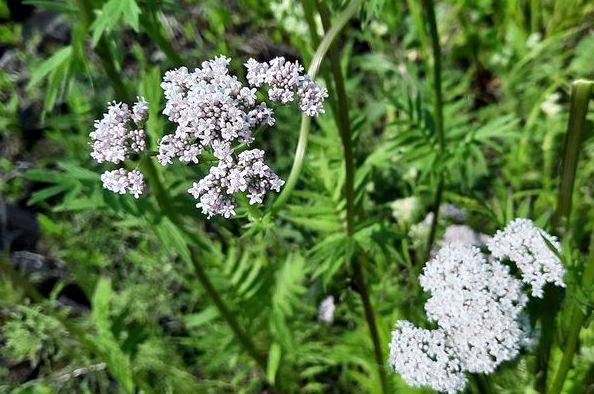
<point x="344" y="126"/>
<point x="581" y="92"/>
<point x="340" y="22"/>
<point x="438" y="113"/>
<point x="577" y="320"/>
<point x="580" y="96"/>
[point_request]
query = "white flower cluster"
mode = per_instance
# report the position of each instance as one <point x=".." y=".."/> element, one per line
<point x="119" y="133"/>
<point x="524" y="244"/>
<point x="425" y="358"/>
<point x="122" y="181"/>
<point x="326" y="310"/>
<point x="285" y="80"/>
<point x="249" y="174"/>
<point x="477" y="305"/>
<point x="211" y="108"/>
<point x="116" y="136"/>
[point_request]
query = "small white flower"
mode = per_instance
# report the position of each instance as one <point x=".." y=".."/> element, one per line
<point x="118" y="133"/>
<point x="248" y="174"/>
<point x="326" y="310"/>
<point x="551" y="105"/>
<point x="122" y="181"/>
<point x="524" y="244"/>
<point x="533" y="40"/>
<point x="285" y="80"/>
<point x="406" y="210"/>
<point x="425" y="358"/>
<point x="476" y="303"/>
<point x="212" y="109"/>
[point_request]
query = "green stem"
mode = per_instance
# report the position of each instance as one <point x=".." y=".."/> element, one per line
<point x="581" y="92"/>
<point x="340" y="22"/>
<point x="438" y="113"/>
<point x="577" y="320"/>
<point x="344" y="126"/>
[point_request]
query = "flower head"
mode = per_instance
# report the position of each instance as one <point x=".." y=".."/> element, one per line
<point x="326" y="310"/>
<point x="286" y="80"/>
<point x="119" y="133"/>
<point x="425" y="358"/>
<point x="211" y="108"/>
<point x="122" y="181"/>
<point x="248" y="174"/>
<point x="477" y="303"/>
<point x="524" y="244"/>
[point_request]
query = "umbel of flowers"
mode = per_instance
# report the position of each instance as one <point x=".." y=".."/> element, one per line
<point x="118" y="135"/>
<point x="476" y="303"/>
<point x="213" y="111"/>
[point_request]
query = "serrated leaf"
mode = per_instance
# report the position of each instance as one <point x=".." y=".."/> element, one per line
<point x="117" y="361"/>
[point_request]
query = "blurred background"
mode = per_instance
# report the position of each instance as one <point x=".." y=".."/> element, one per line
<point x="95" y="295"/>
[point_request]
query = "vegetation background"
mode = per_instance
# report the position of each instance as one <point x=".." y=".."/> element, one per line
<point x="102" y="293"/>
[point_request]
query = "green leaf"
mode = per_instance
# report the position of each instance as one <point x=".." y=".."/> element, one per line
<point x="117" y="361"/>
<point x="57" y="60"/>
<point x="111" y="14"/>
<point x="198" y="319"/>
<point x="274" y="358"/>
<point x="46" y="193"/>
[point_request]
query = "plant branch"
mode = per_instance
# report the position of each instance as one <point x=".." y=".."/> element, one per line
<point x="340" y="22"/>
<point x="438" y="114"/>
<point x="577" y="320"/>
<point x="581" y="92"/>
<point x="344" y="126"/>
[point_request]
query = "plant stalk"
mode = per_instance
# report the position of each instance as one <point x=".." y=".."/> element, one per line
<point x="344" y="126"/>
<point x="581" y="92"/>
<point x="577" y="320"/>
<point x="438" y="114"/>
<point x="320" y="54"/>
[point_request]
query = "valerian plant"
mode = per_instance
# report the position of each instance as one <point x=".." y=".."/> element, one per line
<point x="297" y="196"/>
